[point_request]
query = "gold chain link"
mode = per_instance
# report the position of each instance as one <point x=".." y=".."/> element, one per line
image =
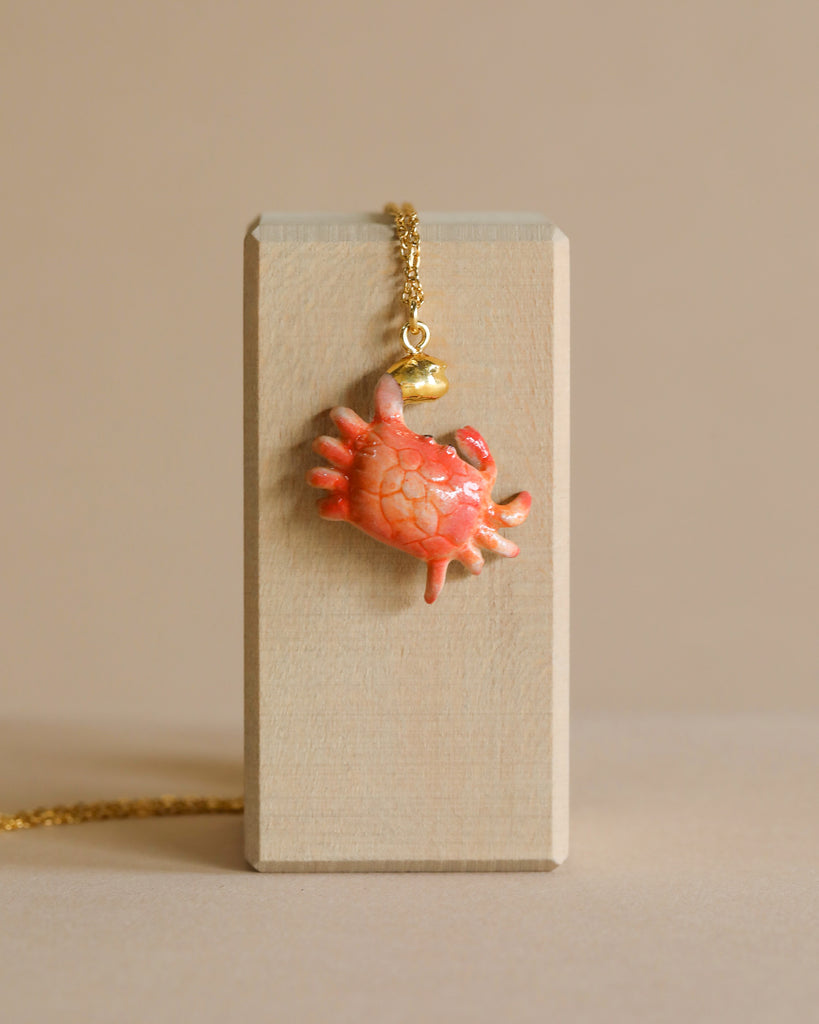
<point x="409" y="244"/>
<point x="106" y="810"/>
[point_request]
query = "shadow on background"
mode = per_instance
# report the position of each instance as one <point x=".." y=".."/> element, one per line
<point x="43" y="763"/>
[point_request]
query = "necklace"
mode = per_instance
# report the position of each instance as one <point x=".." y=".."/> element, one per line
<point x="402" y="488"/>
<point x="420" y="377"/>
<point x="108" y="810"/>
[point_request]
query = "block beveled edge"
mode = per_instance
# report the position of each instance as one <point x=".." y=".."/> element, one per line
<point x="251" y="824"/>
<point x="281" y="226"/>
<point x="403" y="867"/>
<point x="561" y="534"/>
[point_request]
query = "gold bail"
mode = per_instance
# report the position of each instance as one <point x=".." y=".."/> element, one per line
<point x="421" y="377"/>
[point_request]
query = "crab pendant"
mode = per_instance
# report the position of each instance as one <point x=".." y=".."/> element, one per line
<point x="412" y="493"/>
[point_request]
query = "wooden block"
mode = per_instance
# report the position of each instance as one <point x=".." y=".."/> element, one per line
<point x="383" y="733"/>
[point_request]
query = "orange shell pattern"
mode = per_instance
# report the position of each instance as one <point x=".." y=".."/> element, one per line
<point x="412" y="493"/>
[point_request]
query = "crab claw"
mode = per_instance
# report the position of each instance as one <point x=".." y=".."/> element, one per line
<point x="477" y="451"/>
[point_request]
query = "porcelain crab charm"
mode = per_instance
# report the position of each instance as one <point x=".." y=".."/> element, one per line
<point x="412" y="493"/>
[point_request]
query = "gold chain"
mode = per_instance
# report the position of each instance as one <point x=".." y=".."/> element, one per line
<point x="106" y="810"/>
<point x="409" y="244"/>
<point x="421" y="377"/>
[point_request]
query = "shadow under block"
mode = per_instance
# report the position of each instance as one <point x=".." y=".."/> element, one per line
<point x="382" y="733"/>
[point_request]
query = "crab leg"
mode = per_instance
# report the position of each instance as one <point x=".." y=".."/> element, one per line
<point x="513" y="513"/>
<point x="471" y="558"/>
<point x="334" y="506"/>
<point x="349" y="423"/>
<point x="336" y="452"/>
<point x="492" y="541"/>
<point x="329" y="479"/>
<point x="436" y="575"/>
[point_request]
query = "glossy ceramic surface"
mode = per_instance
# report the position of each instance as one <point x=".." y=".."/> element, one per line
<point x="408" y="491"/>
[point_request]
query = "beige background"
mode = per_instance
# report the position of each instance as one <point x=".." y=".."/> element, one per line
<point x="675" y="144"/>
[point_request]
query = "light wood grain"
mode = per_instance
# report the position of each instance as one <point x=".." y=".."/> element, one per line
<point x="382" y="733"/>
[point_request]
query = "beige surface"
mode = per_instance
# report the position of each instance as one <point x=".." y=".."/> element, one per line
<point x="690" y="894"/>
<point x="674" y="143"/>
<point x="383" y="733"/>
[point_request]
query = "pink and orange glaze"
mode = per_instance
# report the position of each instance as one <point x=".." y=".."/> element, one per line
<point x="412" y="493"/>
